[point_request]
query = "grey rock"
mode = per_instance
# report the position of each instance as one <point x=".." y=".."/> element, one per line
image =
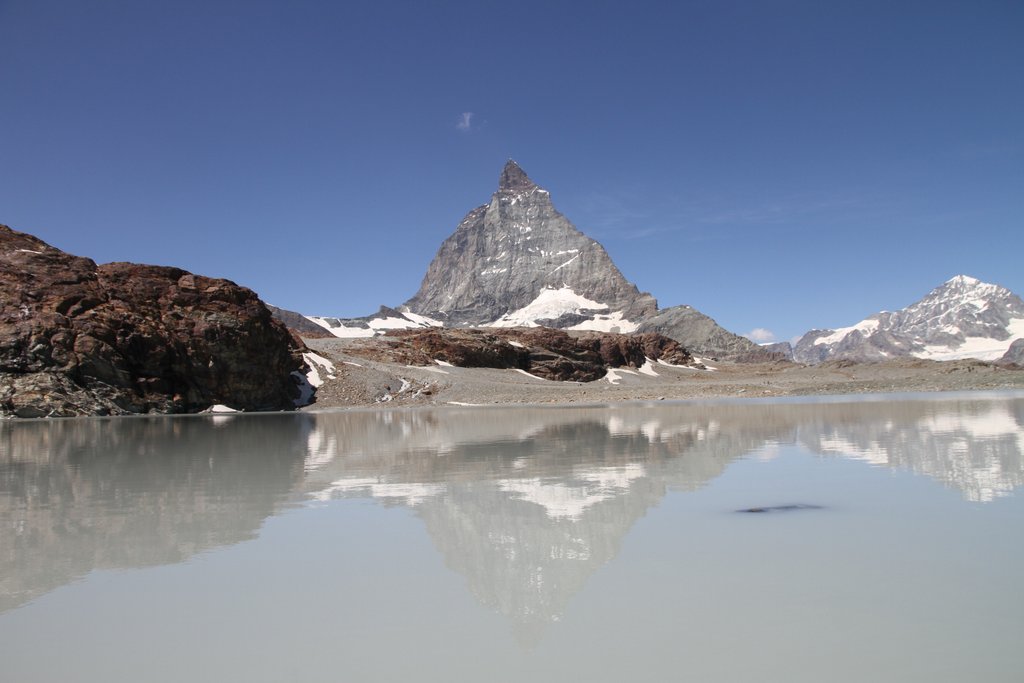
<point x="503" y="254"/>
<point x="705" y="338"/>
<point x="1015" y="354"/>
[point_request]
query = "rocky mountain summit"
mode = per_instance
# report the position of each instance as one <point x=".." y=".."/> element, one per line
<point x="962" y="318"/>
<point x="517" y="262"/>
<point x="119" y="338"/>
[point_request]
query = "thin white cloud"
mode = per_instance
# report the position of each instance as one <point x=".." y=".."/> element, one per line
<point x="760" y="335"/>
<point x="465" y="121"/>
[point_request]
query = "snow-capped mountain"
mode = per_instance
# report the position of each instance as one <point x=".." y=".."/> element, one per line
<point x="517" y="262"/>
<point x="962" y="318"/>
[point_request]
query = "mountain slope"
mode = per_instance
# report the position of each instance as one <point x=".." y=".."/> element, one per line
<point x="962" y="318"/>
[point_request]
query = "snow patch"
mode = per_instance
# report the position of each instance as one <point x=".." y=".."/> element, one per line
<point x="982" y="348"/>
<point x="865" y="327"/>
<point x="612" y="322"/>
<point x="551" y="303"/>
<point x="312" y="362"/>
<point x="614" y="375"/>
<point x="375" y="326"/>
<point x="648" y="368"/>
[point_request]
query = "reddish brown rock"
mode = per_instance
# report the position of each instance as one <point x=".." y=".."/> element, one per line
<point x="79" y="339"/>
<point x="544" y="352"/>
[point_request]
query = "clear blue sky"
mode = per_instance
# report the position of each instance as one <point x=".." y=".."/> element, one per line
<point x="776" y="164"/>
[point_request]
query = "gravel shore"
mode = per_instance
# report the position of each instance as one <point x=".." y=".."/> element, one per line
<point x="358" y="382"/>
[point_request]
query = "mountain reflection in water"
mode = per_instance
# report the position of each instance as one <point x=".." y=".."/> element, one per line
<point x="525" y="503"/>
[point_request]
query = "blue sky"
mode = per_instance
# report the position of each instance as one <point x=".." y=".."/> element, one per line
<point x="776" y="164"/>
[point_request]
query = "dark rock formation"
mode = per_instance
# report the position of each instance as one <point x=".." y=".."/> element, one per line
<point x="547" y="353"/>
<point x="705" y="338"/>
<point x="81" y="339"/>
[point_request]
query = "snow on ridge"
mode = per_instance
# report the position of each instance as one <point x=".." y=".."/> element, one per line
<point x="981" y="348"/>
<point x="375" y="326"/>
<point x="551" y="303"/>
<point x="865" y="327"/>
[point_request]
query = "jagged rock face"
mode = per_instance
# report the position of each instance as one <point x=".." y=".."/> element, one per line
<point x="505" y="254"/>
<point x="544" y="352"/>
<point x="705" y="338"/>
<point x="962" y="318"/>
<point x="81" y="339"/>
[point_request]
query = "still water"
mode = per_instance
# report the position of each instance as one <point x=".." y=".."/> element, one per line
<point x="520" y="544"/>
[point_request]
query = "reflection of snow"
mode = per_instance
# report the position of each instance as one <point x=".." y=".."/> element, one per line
<point x="873" y="453"/>
<point x="320" y="450"/>
<point x="976" y="451"/>
<point x="996" y="423"/>
<point x="411" y="494"/>
<point x="570" y="500"/>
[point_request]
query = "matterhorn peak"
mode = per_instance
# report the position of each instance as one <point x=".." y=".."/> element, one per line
<point x="514" y="179"/>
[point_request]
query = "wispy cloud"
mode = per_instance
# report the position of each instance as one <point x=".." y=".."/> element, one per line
<point x="465" y="121"/>
<point x="760" y="335"/>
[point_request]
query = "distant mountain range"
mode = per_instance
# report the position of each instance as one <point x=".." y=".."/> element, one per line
<point x="962" y="318"/>
<point x="517" y="262"/>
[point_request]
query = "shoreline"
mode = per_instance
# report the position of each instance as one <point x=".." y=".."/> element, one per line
<point x="357" y="382"/>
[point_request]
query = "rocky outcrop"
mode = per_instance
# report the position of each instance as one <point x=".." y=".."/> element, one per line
<point x="962" y="318"/>
<point x="82" y="339"/>
<point x="543" y="352"/>
<point x="705" y="338"/>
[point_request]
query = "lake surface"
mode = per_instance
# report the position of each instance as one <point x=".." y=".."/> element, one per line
<point x="520" y="544"/>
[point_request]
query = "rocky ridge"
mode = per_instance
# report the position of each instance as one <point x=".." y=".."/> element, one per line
<point x="543" y="352"/>
<point x="962" y="318"/>
<point x="119" y="338"/>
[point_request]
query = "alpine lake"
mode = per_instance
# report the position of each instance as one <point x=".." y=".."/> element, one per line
<point x="873" y="538"/>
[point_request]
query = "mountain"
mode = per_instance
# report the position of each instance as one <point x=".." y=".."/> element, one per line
<point x="517" y="262"/>
<point x="962" y="318"/>
<point x="81" y="339"/>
